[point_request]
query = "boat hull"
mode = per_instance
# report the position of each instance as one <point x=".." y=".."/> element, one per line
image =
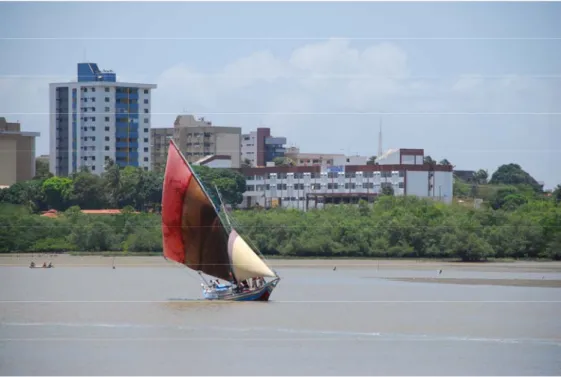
<point x="260" y="294"/>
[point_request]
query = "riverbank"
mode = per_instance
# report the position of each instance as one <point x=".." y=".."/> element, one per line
<point x="157" y="261"/>
<point x="536" y="283"/>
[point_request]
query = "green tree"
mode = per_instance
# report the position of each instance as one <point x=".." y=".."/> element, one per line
<point x="481" y="176"/>
<point x="88" y="191"/>
<point x="557" y="194"/>
<point x="283" y="161"/>
<point x="429" y="161"/>
<point x="387" y="190"/>
<point x="58" y="191"/>
<point x="42" y="169"/>
<point x="513" y="174"/>
<point x="230" y="183"/>
<point x="112" y="179"/>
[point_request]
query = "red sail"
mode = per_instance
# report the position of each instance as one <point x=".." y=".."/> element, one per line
<point x="192" y="231"/>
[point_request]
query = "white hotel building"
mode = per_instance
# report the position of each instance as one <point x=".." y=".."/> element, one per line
<point x="97" y="118"/>
<point x="306" y="187"/>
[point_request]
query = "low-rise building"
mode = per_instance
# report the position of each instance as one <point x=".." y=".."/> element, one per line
<point x="160" y="138"/>
<point x="306" y="187"/>
<point x="323" y="159"/>
<point x="17" y="153"/>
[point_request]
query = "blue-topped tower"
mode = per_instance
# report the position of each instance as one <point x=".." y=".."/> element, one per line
<point x="97" y="118"/>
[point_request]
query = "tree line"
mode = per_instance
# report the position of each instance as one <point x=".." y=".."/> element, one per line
<point x="517" y="219"/>
<point x="117" y="187"/>
<point x="391" y="227"/>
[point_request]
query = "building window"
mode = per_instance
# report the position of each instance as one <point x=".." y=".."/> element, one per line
<point x="145" y="158"/>
<point x="106" y="99"/>
<point x="93" y="89"/>
<point x="146" y="130"/>
<point x="145" y="120"/>
<point x="93" y="99"/>
<point x="145" y="139"/>
<point x="93" y="119"/>
<point x="107" y="110"/>
<point x="106" y="128"/>
<point x="106" y="138"/>
<point x="145" y="91"/>
<point x="146" y="101"/>
<point x="106" y="147"/>
<point x="85" y="90"/>
<point x="107" y="90"/>
<point x="145" y="149"/>
<point x="401" y="185"/>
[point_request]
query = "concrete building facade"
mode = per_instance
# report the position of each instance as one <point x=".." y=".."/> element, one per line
<point x="160" y="138"/>
<point x="303" y="187"/>
<point x="97" y="118"/>
<point x="323" y="159"/>
<point x="17" y="153"/>
<point x="197" y="139"/>
<point x="259" y="147"/>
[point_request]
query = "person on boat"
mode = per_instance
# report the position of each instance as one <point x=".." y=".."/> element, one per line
<point x="232" y="279"/>
<point x="44" y="264"/>
<point x="32" y="265"/>
<point x="50" y="265"/>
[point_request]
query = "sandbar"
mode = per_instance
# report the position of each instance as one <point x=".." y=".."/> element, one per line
<point x="542" y="283"/>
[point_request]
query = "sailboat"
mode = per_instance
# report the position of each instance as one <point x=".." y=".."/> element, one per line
<point x="195" y="235"/>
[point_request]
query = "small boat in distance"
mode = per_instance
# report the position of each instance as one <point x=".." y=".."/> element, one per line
<point x="195" y="235"/>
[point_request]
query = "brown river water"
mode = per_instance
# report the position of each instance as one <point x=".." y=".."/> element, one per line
<point x="352" y="321"/>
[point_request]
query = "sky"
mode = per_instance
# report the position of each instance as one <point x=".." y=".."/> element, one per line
<point x="476" y="83"/>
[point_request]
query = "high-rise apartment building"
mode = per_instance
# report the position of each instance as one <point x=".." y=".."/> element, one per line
<point x="17" y="153"/>
<point x="95" y="119"/>
<point x="197" y="139"/>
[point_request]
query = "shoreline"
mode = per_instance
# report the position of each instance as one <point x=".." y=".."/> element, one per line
<point x="533" y="283"/>
<point x="107" y="260"/>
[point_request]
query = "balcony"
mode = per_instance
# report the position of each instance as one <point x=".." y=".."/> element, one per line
<point x="127" y="144"/>
<point x="124" y="134"/>
<point x="121" y="95"/>
<point x="124" y="155"/>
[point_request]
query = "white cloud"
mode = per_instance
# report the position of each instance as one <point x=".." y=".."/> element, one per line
<point x="335" y="76"/>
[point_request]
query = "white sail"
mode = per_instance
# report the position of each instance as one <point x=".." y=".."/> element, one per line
<point x="245" y="263"/>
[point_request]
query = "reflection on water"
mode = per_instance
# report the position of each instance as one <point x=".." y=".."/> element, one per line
<point x="154" y="322"/>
